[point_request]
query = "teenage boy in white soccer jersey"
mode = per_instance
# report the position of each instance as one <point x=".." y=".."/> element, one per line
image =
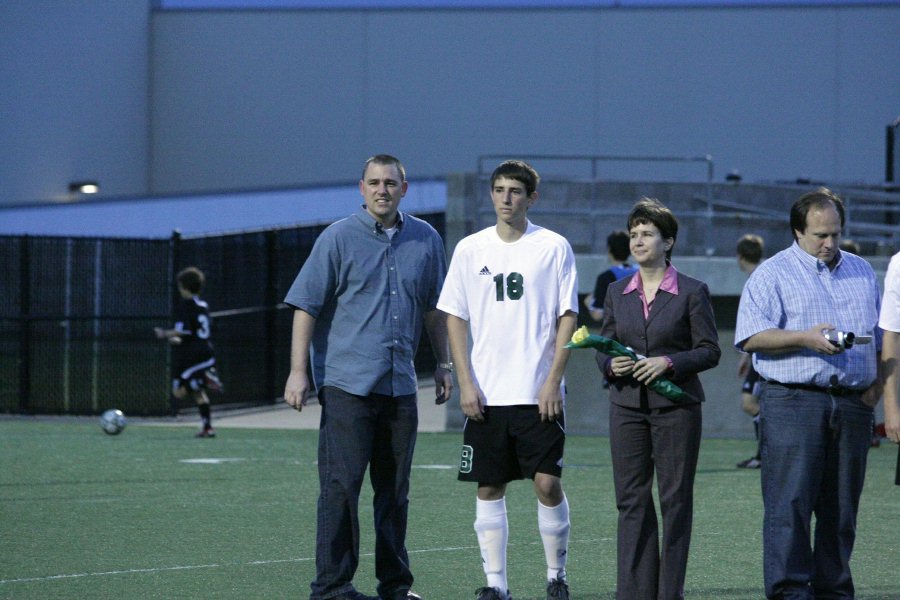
<point x="515" y="286"/>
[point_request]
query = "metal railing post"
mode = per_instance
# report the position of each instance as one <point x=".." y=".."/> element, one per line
<point x="174" y="265"/>
<point x="271" y="301"/>
<point x="710" y="213"/>
<point x="25" y="323"/>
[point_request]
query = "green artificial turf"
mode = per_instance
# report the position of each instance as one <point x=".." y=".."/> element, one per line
<point x="155" y="513"/>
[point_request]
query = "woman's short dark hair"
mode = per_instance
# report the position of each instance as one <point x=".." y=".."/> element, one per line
<point x="650" y="211"/>
<point x="819" y="198"/>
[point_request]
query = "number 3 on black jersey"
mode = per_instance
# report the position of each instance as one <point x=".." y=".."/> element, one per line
<point x="515" y="286"/>
<point x="203" y="332"/>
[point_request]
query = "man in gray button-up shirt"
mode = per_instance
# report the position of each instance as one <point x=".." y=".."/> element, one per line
<point x="361" y="299"/>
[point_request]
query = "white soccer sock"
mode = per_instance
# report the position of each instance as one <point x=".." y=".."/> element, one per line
<point x="492" y="530"/>
<point x="553" y="523"/>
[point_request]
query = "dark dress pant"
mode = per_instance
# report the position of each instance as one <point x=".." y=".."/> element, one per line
<point x="643" y="441"/>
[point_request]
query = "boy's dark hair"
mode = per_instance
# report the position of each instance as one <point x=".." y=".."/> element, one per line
<point x="653" y="212"/>
<point x="617" y="244"/>
<point x="191" y="279"/>
<point x="751" y="248"/>
<point x="850" y="246"/>
<point x="385" y="159"/>
<point x="819" y="198"/>
<point x="518" y="170"/>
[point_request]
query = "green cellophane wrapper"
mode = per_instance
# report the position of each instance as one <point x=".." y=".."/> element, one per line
<point x="613" y="348"/>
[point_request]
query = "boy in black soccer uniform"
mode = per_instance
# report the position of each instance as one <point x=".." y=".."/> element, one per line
<point x="193" y="361"/>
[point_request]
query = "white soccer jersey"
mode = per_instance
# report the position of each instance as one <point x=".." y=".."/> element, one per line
<point x="512" y="295"/>
<point x="890" y="305"/>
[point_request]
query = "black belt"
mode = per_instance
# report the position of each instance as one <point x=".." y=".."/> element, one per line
<point x="833" y="390"/>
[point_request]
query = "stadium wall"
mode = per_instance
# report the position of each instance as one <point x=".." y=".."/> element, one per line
<point x="249" y="98"/>
<point x="148" y="101"/>
<point x="75" y="97"/>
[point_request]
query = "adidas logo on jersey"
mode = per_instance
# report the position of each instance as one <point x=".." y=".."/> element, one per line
<point x="484" y="271"/>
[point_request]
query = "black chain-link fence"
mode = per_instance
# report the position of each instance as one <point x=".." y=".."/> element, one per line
<point x="77" y="318"/>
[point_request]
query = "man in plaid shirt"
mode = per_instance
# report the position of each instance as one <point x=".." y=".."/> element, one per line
<point x="816" y="399"/>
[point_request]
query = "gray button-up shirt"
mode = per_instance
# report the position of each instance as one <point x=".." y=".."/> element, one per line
<point x="369" y="294"/>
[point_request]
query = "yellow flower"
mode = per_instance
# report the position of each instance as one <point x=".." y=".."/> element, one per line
<point x="580" y="334"/>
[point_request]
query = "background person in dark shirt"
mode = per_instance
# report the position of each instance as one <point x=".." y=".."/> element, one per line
<point x="750" y="252"/>
<point x="617" y="251"/>
<point x="193" y="361"/>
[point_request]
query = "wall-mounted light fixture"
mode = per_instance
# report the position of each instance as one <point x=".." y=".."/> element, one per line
<point x="84" y="187"/>
<point x="733" y="177"/>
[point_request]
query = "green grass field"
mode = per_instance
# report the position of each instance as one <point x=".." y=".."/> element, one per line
<point x="150" y="514"/>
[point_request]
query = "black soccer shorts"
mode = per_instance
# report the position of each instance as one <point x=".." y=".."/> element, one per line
<point x="511" y="443"/>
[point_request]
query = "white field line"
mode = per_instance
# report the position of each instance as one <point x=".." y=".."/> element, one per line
<point x="239" y="564"/>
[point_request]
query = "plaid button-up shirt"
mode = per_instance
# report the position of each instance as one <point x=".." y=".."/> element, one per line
<point x="793" y="290"/>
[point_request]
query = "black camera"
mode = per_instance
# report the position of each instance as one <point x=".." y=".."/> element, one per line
<point x="841" y="339"/>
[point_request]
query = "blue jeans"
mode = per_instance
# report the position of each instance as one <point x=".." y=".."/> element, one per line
<point x="356" y="432"/>
<point x="814" y="450"/>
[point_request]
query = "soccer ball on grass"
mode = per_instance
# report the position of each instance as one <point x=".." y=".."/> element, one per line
<point x="112" y="421"/>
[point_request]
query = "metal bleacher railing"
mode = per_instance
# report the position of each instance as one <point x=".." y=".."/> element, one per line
<point x="714" y="211"/>
<point x="594" y="161"/>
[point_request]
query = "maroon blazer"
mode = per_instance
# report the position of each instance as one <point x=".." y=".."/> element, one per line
<point x="681" y="327"/>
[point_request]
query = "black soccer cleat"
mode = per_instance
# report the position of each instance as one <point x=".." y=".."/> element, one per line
<point x="557" y="589"/>
<point x="491" y="593"/>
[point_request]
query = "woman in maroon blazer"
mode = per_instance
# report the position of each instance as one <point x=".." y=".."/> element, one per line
<point x="668" y="318"/>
